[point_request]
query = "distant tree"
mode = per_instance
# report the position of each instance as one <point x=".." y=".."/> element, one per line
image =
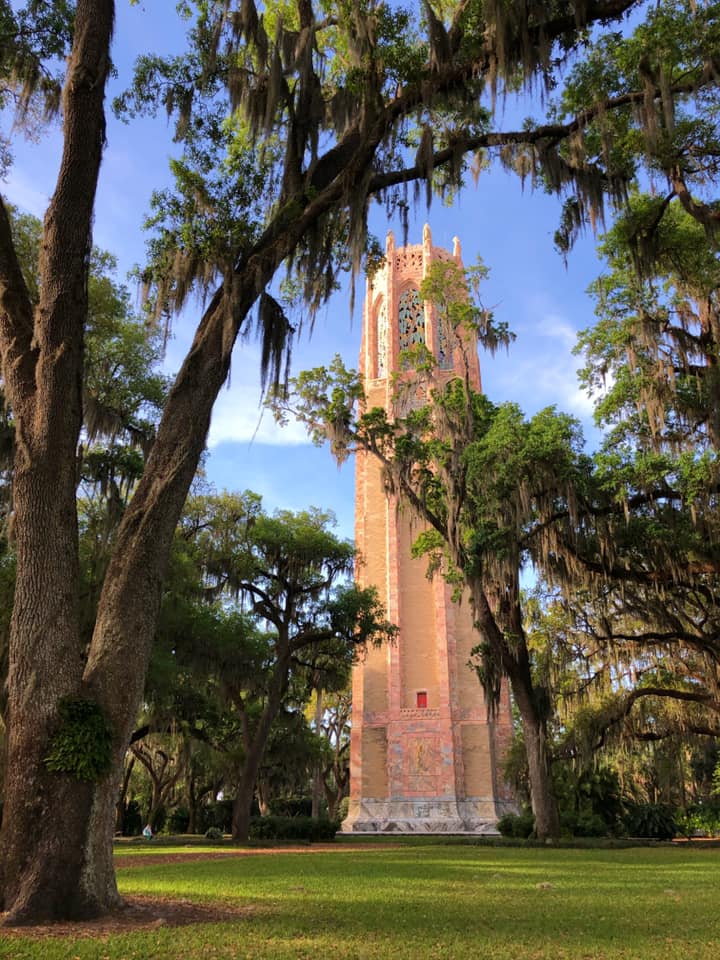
<point x="335" y="766"/>
<point x="164" y="760"/>
<point x="286" y="575"/>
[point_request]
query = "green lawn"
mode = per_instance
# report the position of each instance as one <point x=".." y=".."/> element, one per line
<point x="429" y="901"/>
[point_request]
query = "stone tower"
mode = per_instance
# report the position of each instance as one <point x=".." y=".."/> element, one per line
<point x="423" y="756"/>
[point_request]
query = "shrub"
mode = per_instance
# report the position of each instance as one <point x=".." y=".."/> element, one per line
<point x="589" y="800"/>
<point x="291" y="807"/>
<point x="590" y="825"/>
<point x="132" y="819"/>
<point x="518" y="825"/>
<point x="216" y="814"/>
<point x="213" y="833"/>
<point x="653" y="821"/>
<point x="178" y="820"/>
<point x="699" y="820"/>
<point x="292" y="828"/>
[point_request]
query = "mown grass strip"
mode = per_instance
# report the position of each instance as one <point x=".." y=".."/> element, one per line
<point x="431" y="901"/>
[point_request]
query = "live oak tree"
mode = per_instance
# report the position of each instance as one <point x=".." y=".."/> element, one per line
<point x="650" y="545"/>
<point x="642" y="107"/>
<point x="326" y="101"/>
<point x="123" y="395"/>
<point x="333" y="728"/>
<point x="651" y="358"/>
<point x="621" y="702"/>
<point x="285" y="572"/>
<point x="642" y="617"/>
<point x="648" y="557"/>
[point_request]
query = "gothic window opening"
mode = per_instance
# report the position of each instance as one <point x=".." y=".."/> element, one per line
<point x="444" y="347"/>
<point x="382" y="341"/>
<point x="411" y="316"/>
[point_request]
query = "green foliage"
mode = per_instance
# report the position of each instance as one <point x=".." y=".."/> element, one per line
<point x="213" y="833"/>
<point x="292" y="806"/>
<point x="463" y="317"/>
<point x="178" y="820"/>
<point x="518" y="825"/>
<point x="699" y="820"/>
<point x="656" y="821"/>
<point x="82" y="744"/>
<point x="662" y="125"/>
<point x="651" y="357"/>
<point x="293" y="828"/>
<point x="589" y="800"/>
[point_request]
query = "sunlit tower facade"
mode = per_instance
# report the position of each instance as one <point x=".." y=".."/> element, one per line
<point x="424" y="756"/>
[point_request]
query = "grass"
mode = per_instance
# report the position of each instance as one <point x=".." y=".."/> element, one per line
<point x="443" y="902"/>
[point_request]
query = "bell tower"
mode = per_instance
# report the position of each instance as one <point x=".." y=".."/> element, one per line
<point x="423" y="757"/>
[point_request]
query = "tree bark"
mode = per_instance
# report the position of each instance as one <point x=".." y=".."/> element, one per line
<point x="263" y="798"/>
<point x="42" y="354"/>
<point x="317" y="787"/>
<point x="242" y="807"/>
<point x="542" y="794"/>
<point x="255" y="742"/>
<point x="121" y="807"/>
<point x="515" y="663"/>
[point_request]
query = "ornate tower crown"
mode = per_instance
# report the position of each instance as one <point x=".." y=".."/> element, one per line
<point x="396" y="318"/>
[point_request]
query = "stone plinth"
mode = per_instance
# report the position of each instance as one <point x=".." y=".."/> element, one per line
<point x="475" y="817"/>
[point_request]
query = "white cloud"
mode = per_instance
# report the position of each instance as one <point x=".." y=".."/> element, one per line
<point x="541" y="369"/>
<point x="238" y="418"/>
<point x="25" y="193"/>
<point x="555" y="327"/>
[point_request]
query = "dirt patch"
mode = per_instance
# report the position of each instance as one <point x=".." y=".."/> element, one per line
<point x="149" y="913"/>
<point x="138" y="913"/>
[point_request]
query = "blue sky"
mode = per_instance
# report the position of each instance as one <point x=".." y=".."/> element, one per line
<point x="510" y="228"/>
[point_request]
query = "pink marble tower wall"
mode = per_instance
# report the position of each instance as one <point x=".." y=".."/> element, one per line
<point x="432" y="768"/>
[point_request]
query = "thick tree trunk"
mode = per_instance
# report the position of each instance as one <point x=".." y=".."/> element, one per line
<point x="255" y="742"/>
<point x="317" y="787"/>
<point x="121" y="808"/>
<point x="42" y="357"/>
<point x="242" y="807"/>
<point x="515" y="663"/>
<point x="542" y="794"/>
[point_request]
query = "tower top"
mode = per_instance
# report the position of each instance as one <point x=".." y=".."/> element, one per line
<point x="395" y="318"/>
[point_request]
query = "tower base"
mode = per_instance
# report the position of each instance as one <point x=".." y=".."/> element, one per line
<point x="475" y="817"/>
